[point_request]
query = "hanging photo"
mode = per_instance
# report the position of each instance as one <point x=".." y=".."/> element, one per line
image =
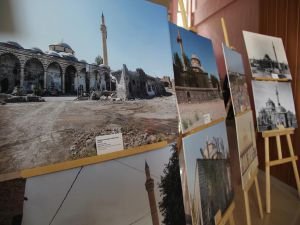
<point x="267" y="56"/>
<point x="81" y="71"/>
<point x="197" y="83"/>
<point x="274" y="105"/>
<point x="237" y="80"/>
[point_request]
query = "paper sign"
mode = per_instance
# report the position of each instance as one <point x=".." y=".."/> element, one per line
<point x="274" y="75"/>
<point x="206" y="118"/>
<point x="109" y="143"/>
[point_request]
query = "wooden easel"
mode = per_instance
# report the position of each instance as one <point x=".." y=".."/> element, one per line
<point x="268" y="163"/>
<point x="253" y="175"/>
<point x="227" y="217"/>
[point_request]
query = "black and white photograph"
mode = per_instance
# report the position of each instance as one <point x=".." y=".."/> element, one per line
<point x="274" y="105"/>
<point x="267" y="56"/>
<point x="66" y="79"/>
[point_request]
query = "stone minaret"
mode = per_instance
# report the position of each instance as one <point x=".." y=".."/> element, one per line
<point x="179" y="40"/>
<point x="276" y="56"/>
<point x="277" y="95"/>
<point x="151" y="195"/>
<point x="104" y="37"/>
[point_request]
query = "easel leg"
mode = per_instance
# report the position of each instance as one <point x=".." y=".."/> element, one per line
<point x="267" y="166"/>
<point x="288" y="137"/>
<point x="258" y="198"/>
<point x="247" y="207"/>
<point x="231" y="220"/>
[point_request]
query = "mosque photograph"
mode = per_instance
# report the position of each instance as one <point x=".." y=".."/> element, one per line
<point x="197" y="82"/>
<point x="267" y="56"/>
<point x="103" y="192"/>
<point x="274" y="105"/>
<point x="66" y="79"/>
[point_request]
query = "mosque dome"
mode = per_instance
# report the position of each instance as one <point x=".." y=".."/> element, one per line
<point x="280" y="109"/>
<point x="36" y="50"/>
<point x="14" y="44"/>
<point x="83" y="61"/>
<point x="61" y="47"/>
<point x="68" y="56"/>
<point x="53" y="53"/>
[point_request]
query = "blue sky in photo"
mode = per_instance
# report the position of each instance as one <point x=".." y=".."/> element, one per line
<point x="192" y="145"/>
<point x="233" y="60"/>
<point x="194" y="44"/>
<point x="137" y="31"/>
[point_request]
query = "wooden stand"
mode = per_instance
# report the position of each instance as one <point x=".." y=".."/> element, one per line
<point x="268" y="163"/>
<point x="246" y="197"/>
<point x="253" y="175"/>
<point x="227" y="217"/>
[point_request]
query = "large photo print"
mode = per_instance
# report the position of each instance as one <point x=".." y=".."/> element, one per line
<point x="197" y="82"/>
<point x="207" y="172"/>
<point x="83" y="70"/>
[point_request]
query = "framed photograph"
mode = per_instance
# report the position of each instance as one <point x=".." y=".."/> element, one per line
<point x="237" y="80"/>
<point x="208" y="175"/>
<point x="102" y="192"/>
<point x="274" y="105"/>
<point x="246" y="146"/>
<point x="197" y="82"/>
<point x="66" y="79"/>
<point x="267" y="56"/>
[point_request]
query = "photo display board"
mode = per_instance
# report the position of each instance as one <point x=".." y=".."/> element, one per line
<point x="122" y="83"/>
<point x="197" y="82"/>
<point x="237" y="80"/>
<point x="138" y="189"/>
<point x="245" y="131"/>
<point x="207" y="174"/>
<point x="274" y="105"/>
<point x="246" y="146"/>
<point x="267" y="56"/>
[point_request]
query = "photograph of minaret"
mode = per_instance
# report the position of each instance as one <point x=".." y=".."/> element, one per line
<point x="207" y="168"/>
<point x="274" y="105"/>
<point x="197" y="83"/>
<point x="108" y="72"/>
<point x="237" y="80"/>
<point x="142" y="189"/>
<point x="267" y="56"/>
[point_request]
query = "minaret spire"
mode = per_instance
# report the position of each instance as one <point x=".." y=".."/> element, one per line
<point x="104" y="38"/>
<point x="277" y="95"/>
<point x="278" y="64"/>
<point x="151" y="195"/>
<point x="179" y="40"/>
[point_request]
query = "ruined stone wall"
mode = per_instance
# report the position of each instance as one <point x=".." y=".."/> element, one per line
<point x="196" y="95"/>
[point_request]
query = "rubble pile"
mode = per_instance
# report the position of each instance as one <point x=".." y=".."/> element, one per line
<point x="85" y="144"/>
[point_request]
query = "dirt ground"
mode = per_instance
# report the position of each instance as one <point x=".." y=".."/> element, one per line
<point x="35" y="134"/>
<point x="191" y="114"/>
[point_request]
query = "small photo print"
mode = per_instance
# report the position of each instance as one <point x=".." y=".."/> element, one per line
<point x="237" y="80"/>
<point x="274" y="105"/>
<point x="267" y="56"/>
